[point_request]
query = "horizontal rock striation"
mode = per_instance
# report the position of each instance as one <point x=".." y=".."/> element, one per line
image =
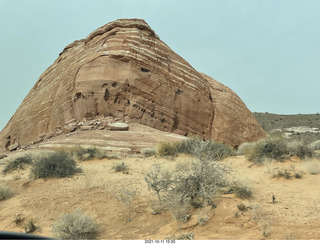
<point x="124" y="70"/>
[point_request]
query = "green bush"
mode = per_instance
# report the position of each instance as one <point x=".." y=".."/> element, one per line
<point x="270" y="148"/>
<point x="55" y="164"/>
<point x="17" y="163"/>
<point x="89" y="153"/>
<point x="300" y="149"/>
<point x="277" y="148"/>
<point x="5" y="192"/>
<point x="75" y="226"/>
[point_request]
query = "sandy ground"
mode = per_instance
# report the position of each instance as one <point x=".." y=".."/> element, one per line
<point x="293" y="215"/>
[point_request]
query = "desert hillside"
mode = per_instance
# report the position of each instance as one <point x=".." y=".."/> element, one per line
<point x="298" y="126"/>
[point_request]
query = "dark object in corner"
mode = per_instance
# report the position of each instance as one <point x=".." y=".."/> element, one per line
<point x="6" y="235"/>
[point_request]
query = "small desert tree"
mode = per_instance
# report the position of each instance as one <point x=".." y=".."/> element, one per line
<point x="126" y="197"/>
<point x="194" y="183"/>
<point x="158" y="180"/>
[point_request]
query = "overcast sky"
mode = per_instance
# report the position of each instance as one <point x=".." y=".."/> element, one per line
<point x="267" y="51"/>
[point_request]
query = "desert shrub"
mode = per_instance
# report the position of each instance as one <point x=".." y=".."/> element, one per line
<point x="158" y="180"/>
<point x="191" y="184"/>
<point x="120" y="167"/>
<point x="269" y="148"/>
<point x="203" y="218"/>
<point x="298" y="175"/>
<point x="204" y="149"/>
<point x="5" y="192"/>
<point x="303" y="152"/>
<point x="315" y="145"/>
<point x="165" y="149"/>
<point x="54" y="164"/>
<point x="198" y="181"/>
<point x="300" y="149"/>
<point x="179" y="211"/>
<point x="242" y="207"/>
<point x="75" y="226"/>
<point x="187" y="145"/>
<point x="126" y="197"/>
<point x="30" y="227"/>
<point x="17" y="163"/>
<point x="88" y="153"/>
<point x="313" y="167"/>
<point x="283" y="172"/>
<point x="242" y="189"/>
<point x="148" y="152"/>
<point x="244" y="148"/>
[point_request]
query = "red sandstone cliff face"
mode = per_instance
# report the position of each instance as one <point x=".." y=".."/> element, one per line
<point x="124" y="70"/>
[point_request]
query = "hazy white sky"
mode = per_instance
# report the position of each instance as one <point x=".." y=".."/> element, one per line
<point x="267" y="51"/>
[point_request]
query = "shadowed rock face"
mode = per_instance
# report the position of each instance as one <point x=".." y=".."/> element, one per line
<point x="124" y="70"/>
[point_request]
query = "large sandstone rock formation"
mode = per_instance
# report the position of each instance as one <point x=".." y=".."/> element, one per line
<point x="124" y="70"/>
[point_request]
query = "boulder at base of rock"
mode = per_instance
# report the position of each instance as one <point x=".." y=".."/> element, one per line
<point x="118" y="126"/>
<point x="14" y="146"/>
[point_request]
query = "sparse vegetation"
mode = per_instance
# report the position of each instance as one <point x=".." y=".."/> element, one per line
<point x="202" y="218"/>
<point x="313" y="167"/>
<point x="269" y="148"/>
<point x="158" y="180"/>
<point x="275" y="148"/>
<point x="165" y="149"/>
<point x="315" y="145"/>
<point x="30" y="227"/>
<point x="283" y="172"/>
<point x="18" y="219"/>
<point x="298" y="175"/>
<point x="190" y="184"/>
<point x="197" y="182"/>
<point x="149" y="152"/>
<point x="209" y="149"/>
<point x="196" y="147"/>
<point x="5" y="192"/>
<point x="120" y="167"/>
<point x="75" y="226"/>
<point x="88" y="153"/>
<point x="242" y="189"/>
<point x="271" y="122"/>
<point x="17" y="163"/>
<point x="242" y="207"/>
<point x="54" y="164"/>
<point x="126" y="197"/>
<point x="299" y="149"/>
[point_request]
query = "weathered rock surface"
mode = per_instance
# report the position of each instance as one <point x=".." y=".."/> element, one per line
<point x="124" y="70"/>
